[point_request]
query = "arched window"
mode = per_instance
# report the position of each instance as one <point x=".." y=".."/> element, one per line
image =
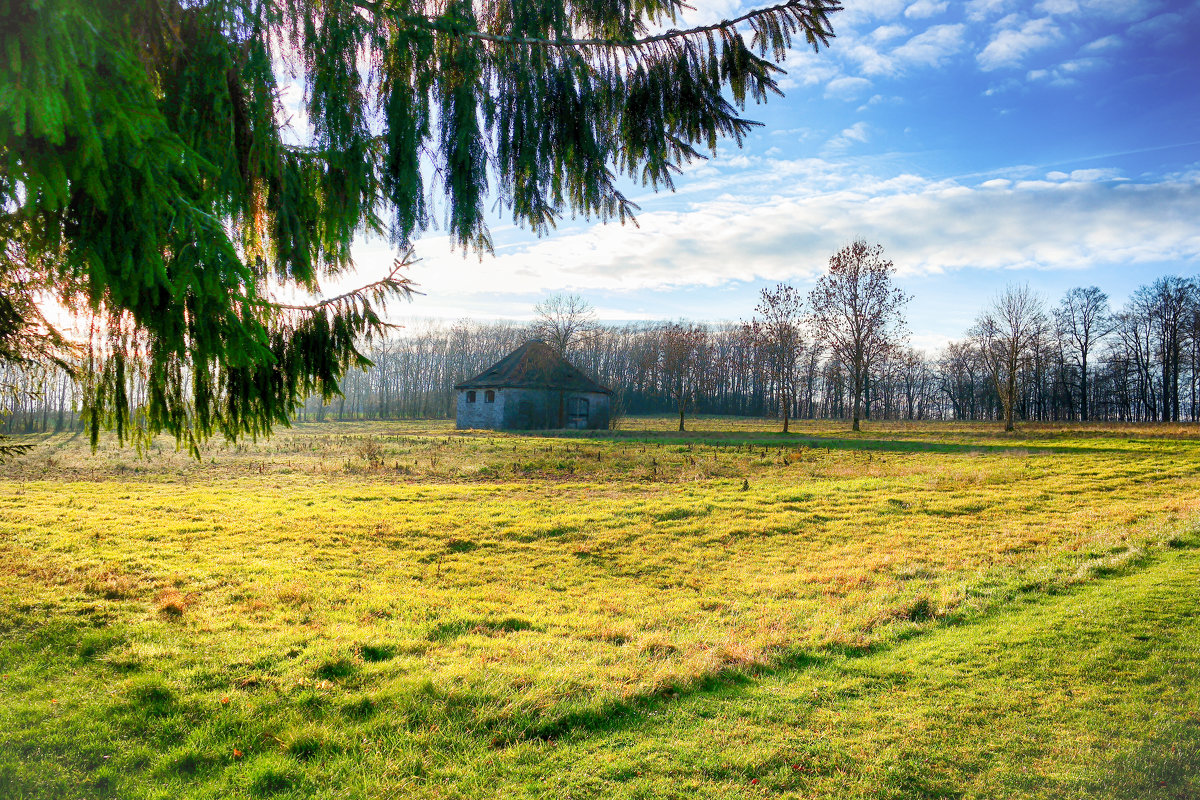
<point x="489" y="396"/>
<point x="470" y="397"/>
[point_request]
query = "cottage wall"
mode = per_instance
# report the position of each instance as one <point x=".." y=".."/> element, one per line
<point x="480" y="414"/>
<point x="529" y="409"/>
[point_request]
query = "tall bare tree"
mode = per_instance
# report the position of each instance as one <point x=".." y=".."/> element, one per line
<point x="1167" y="304"/>
<point x="1083" y="320"/>
<point x="858" y="313"/>
<point x="563" y="320"/>
<point x="777" y="330"/>
<point x="684" y="364"/>
<point x="1006" y="333"/>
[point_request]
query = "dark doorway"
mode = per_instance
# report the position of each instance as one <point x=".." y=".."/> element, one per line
<point x="577" y="412"/>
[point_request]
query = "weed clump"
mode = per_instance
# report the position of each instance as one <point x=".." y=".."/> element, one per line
<point x="486" y="627"/>
<point x="171" y="603"/>
<point x="152" y="696"/>
<point x="336" y="669"/>
<point x="920" y="610"/>
<point x="271" y="775"/>
<point x="375" y="653"/>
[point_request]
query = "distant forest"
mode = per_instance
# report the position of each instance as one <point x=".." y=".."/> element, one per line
<point x="1133" y="364"/>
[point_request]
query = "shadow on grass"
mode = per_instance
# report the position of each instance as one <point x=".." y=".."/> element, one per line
<point x="1035" y="445"/>
<point x="615" y="715"/>
<point x="1166" y="765"/>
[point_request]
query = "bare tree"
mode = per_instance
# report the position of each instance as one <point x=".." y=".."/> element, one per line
<point x="778" y="331"/>
<point x="562" y="320"/>
<point x="1083" y="320"/>
<point x="1006" y="333"/>
<point x="1166" y="305"/>
<point x="857" y="313"/>
<point x="684" y="364"/>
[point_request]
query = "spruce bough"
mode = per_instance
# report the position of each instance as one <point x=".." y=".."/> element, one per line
<point x="151" y="178"/>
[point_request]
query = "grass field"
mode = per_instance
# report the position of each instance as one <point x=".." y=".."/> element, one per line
<point x="400" y="609"/>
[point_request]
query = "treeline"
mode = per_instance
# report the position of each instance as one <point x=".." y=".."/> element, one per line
<point x="1067" y="360"/>
<point x="414" y="374"/>
<point x="1080" y="360"/>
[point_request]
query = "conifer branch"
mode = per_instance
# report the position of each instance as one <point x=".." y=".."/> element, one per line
<point x="390" y="284"/>
<point x="811" y="15"/>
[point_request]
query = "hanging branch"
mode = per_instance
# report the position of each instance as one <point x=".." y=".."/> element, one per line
<point x="812" y="16"/>
<point x="385" y="287"/>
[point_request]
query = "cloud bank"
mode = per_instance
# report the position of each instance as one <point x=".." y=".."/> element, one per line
<point x="781" y="220"/>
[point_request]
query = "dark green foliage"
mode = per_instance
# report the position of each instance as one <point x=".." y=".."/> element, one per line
<point x="149" y="167"/>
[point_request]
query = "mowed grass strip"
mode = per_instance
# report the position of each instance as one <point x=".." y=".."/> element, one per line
<point x="304" y="616"/>
<point x="1092" y="692"/>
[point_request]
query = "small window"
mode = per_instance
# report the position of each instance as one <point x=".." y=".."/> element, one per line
<point x="470" y="397"/>
<point x="489" y="396"/>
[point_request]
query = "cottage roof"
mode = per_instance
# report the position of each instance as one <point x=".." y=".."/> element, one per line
<point x="534" y="365"/>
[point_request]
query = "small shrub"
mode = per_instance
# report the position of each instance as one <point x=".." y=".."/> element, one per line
<point x="370" y="451"/>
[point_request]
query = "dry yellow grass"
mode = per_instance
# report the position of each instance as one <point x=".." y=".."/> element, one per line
<point x="525" y="582"/>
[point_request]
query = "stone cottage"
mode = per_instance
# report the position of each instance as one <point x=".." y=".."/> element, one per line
<point x="532" y="388"/>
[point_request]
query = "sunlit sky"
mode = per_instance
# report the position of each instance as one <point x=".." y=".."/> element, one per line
<point x="981" y="143"/>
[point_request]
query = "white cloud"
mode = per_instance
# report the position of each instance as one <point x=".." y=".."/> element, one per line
<point x="886" y="33"/>
<point x="932" y="47"/>
<point x="1103" y="44"/>
<point x="878" y="99"/>
<point x="928" y="48"/>
<point x="1108" y="174"/>
<point x="1057" y="7"/>
<point x="1119" y="10"/>
<point x="1168" y="30"/>
<point x="859" y="133"/>
<point x="870" y="60"/>
<point x="706" y="12"/>
<point x="1006" y="85"/>
<point x="846" y="88"/>
<point x="1065" y="74"/>
<point x="1016" y="40"/>
<point x="923" y="9"/>
<point x="1109" y="10"/>
<point x="806" y="68"/>
<point x="867" y="11"/>
<point x="979" y="10"/>
<point x="782" y="220"/>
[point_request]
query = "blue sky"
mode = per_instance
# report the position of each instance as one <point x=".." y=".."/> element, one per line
<point x="981" y="143"/>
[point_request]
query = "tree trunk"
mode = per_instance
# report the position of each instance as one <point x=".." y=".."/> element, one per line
<point x="1083" y="389"/>
<point x="857" y="404"/>
<point x="1011" y="390"/>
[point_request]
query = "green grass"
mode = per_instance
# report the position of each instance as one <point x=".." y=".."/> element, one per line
<point x="357" y="610"/>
